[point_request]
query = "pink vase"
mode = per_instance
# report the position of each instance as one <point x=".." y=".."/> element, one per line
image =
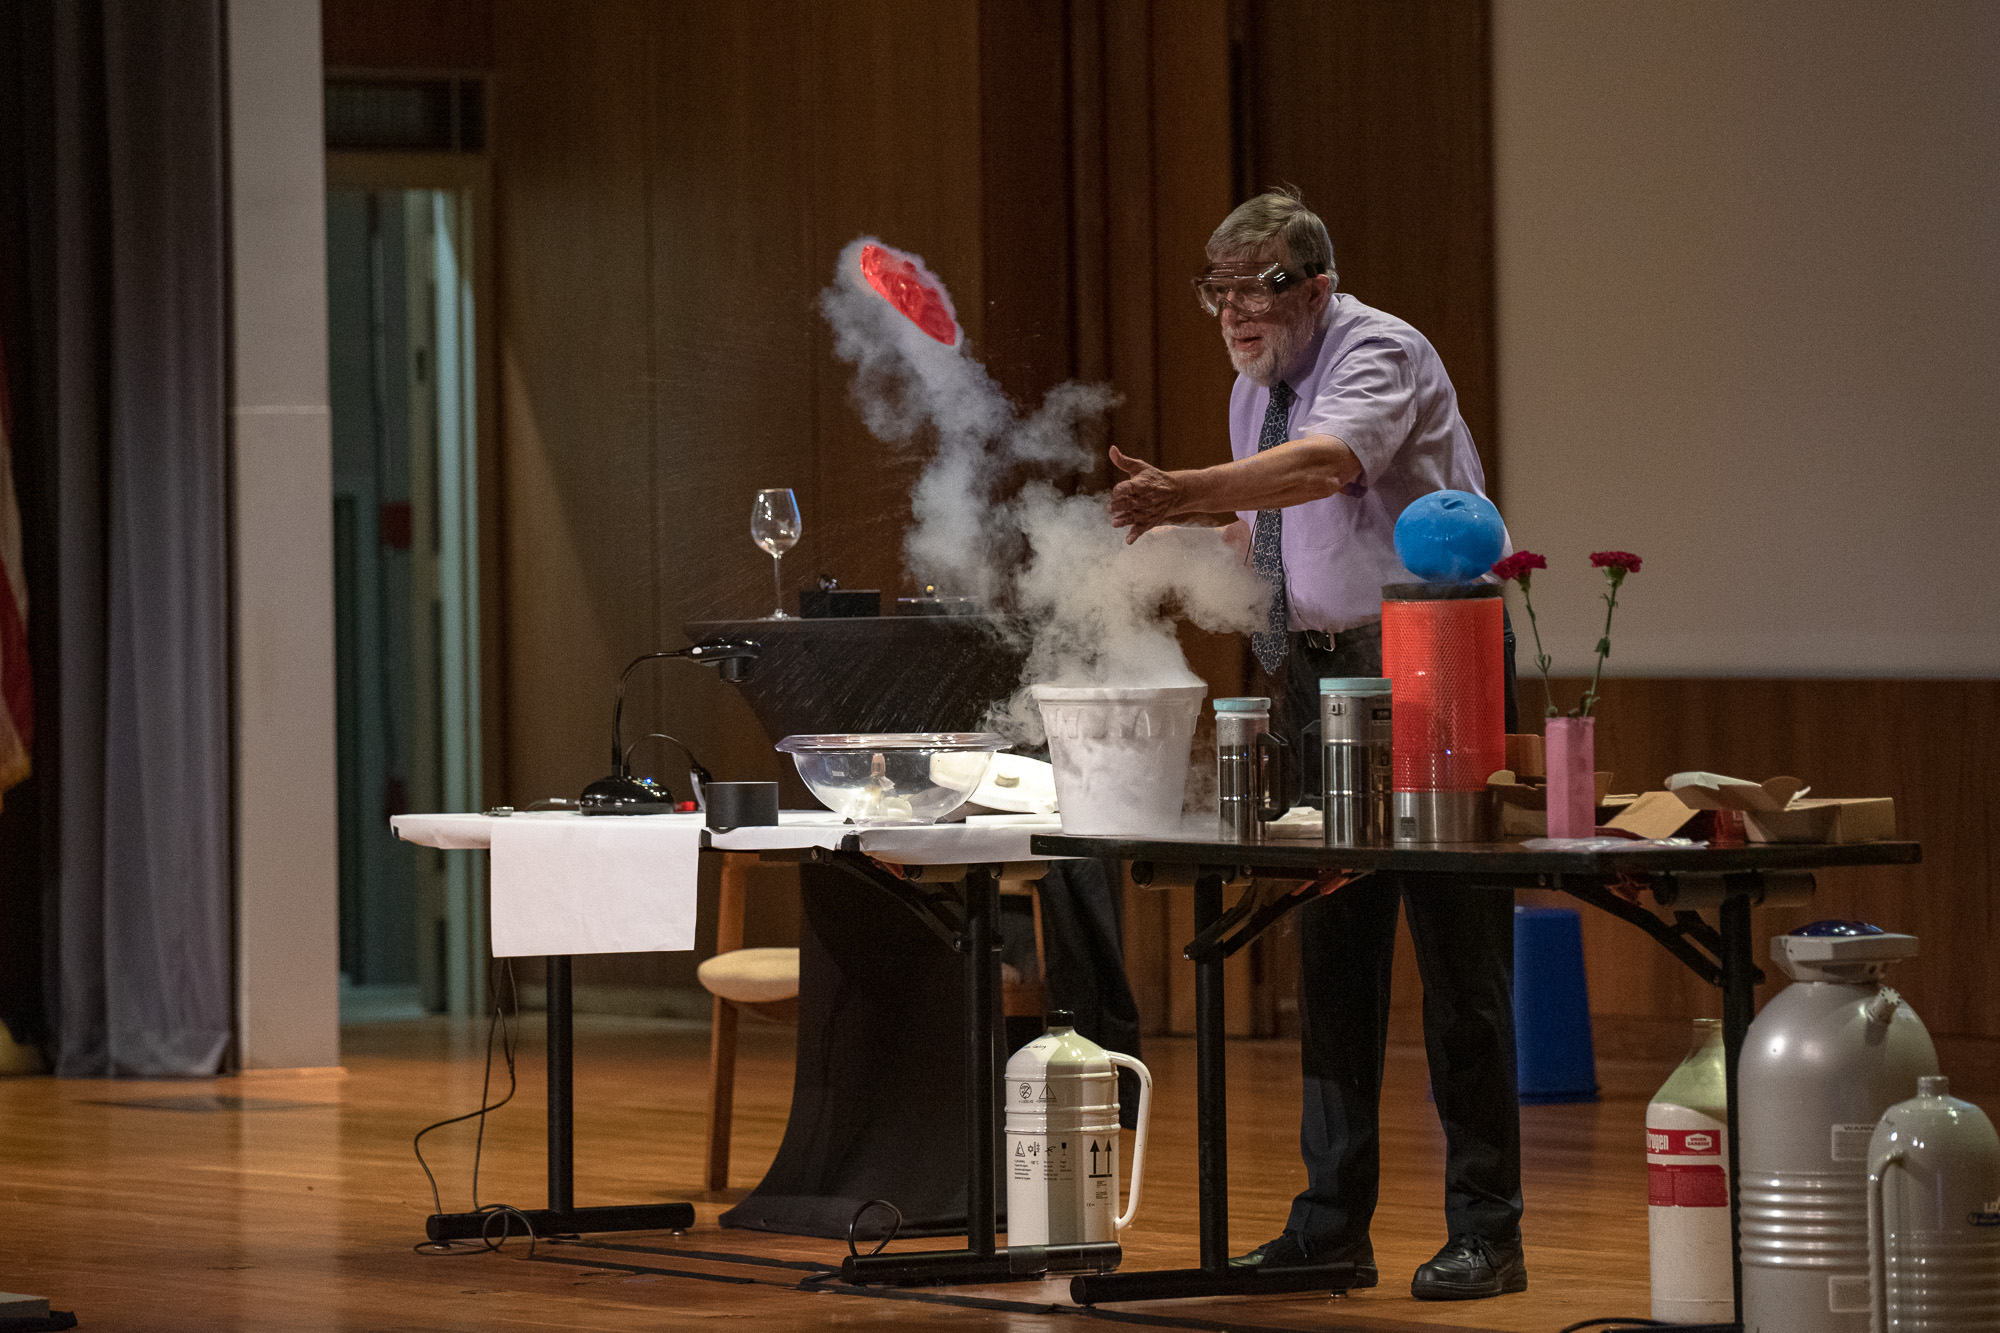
<point x="1572" y="764"/>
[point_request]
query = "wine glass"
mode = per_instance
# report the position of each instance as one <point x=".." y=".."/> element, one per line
<point x="774" y="526"/>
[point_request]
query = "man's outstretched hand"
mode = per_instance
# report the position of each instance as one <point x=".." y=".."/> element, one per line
<point x="1145" y="499"/>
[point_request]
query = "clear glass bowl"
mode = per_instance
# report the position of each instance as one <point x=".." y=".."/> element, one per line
<point x="910" y="777"/>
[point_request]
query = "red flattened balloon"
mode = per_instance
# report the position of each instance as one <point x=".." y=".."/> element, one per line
<point x="897" y="281"/>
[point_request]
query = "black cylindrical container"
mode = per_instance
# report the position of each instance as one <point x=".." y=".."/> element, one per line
<point x="734" y="805"/>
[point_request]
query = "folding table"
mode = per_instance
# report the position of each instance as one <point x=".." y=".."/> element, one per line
<point x="1287" y="873"/>
<point x="948" y="875"/>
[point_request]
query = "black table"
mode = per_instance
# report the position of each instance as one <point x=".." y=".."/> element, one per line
<point x="1680" y="880"/>
<point x="562" y="1217"/>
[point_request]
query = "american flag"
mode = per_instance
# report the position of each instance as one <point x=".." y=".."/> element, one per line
<point x="17" y="691"/>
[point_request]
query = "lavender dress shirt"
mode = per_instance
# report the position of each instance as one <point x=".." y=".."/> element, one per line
<point x="1375" y="384"/>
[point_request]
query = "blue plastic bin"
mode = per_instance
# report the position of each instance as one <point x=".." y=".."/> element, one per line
<point x="1554" y="1059"/>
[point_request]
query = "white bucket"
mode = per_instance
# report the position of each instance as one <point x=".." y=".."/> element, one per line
<point x="1120" y="755"/>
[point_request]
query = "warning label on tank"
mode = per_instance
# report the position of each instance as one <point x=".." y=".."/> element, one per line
<point x="1850" y="1142"/>
<point x="1678" y="1185"/>
<point x="1684" y="1142"/>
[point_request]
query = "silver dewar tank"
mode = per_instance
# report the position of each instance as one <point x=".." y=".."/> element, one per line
<point x="1934" y="1215"/>
<point x="1822" y="1062"/>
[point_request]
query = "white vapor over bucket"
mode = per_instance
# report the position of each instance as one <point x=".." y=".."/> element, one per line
<point x="1120" y="755"/>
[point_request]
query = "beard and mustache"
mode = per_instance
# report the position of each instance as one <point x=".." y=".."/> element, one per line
<point x="1281" y="343"/>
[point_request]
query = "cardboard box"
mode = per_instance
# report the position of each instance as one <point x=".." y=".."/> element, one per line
<point x="1838" y="819"/>
<point x="1524" y="807"/>
<point x="1654" y="814"/>
<point x="1712" y="791"/>
<point x="1527" y="755"/>
<point x="1777" y="810"/>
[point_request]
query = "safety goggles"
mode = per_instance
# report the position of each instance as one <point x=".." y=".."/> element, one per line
<point x="1250" y="292"/>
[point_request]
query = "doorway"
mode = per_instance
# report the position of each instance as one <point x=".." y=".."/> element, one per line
<point x="404" y="388"/>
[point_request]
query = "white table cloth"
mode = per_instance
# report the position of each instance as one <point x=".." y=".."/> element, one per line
<point x="565" y="883"/>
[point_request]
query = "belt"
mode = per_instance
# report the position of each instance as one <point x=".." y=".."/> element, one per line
<point x="1325" y="640"/>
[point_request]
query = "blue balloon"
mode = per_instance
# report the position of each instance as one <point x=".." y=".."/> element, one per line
<point x="1450" y="536"/>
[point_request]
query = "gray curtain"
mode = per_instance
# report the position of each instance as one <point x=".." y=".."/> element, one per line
<point x="133" y="376"/>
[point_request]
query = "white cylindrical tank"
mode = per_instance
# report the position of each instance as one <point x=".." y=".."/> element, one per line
<point x="1826" y="1057"/>
<point x="1687" y="1186"/>
<point x="1934" y="1215"/>
<point x="1061" y="1094"/>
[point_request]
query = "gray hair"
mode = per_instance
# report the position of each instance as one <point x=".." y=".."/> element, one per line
<point x="1278" y="214"/>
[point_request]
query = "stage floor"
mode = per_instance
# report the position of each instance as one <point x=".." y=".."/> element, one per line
<point x="292" y="1202"/>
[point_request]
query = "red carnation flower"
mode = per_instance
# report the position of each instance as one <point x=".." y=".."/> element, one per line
<point x="1623" y="561"/>
<point x="1517" y="565"/>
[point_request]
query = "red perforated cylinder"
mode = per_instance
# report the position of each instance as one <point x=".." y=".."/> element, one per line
<point x="1442" y="649"/>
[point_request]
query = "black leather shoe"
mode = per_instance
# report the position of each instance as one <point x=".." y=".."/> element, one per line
<point x="1470" y="1268"/>
<point x="1293" y="1251"/>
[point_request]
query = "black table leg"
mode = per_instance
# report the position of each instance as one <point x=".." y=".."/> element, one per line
<point x="562" y="1217"/>
<point x="1739" y="1004"/>
<point x="1215" y="1277"/>
<point x="561" y="1085"/>
<point x="982" y="1019"/>
<point x="1211" y="1068"/>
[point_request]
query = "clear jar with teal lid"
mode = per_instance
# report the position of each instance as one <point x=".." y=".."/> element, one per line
<point x="1238" y="721"/>
<point x="1249" y="768"/>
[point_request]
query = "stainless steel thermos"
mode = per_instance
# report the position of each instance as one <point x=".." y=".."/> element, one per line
<point x="1357" y="768"/>
<point x="1249" y="768"/>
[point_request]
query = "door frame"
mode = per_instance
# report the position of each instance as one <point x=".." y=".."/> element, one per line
<point x="470" y="177"/>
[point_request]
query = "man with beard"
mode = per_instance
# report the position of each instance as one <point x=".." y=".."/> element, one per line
<point x="1341" y="416"/>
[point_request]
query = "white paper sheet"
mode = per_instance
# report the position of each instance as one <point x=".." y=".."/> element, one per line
<point x="980" y="838"/>
<point x="604" y="885"/>
<point x="452" y="833"/>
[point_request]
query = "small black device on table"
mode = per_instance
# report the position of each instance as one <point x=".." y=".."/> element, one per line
<point x="1681" y="880"/>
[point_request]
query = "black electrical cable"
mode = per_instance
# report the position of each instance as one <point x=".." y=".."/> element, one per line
<point x="695" y="765"/>
<point x="502" y="1020"/>
<point x="894" y="1226"/>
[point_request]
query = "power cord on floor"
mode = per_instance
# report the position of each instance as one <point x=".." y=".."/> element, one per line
<point x="504" y="1013"/>
<point x="895" y="1225"/>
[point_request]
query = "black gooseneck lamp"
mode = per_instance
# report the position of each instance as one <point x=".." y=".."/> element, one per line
<point x="623" y="794"/>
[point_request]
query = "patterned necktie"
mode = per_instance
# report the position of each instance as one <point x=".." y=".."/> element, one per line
<point x="1266" y="548"/>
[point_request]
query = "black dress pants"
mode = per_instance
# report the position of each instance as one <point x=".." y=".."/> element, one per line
<point x="1464" y="939"/>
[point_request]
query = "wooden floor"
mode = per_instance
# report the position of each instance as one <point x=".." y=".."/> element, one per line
<point x="293" y="1203"/>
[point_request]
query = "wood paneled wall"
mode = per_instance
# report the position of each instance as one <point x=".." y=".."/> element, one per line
<point x="1382" y="116"/>
<point x="1927" y="743"/>
<point x="674" y="181"/>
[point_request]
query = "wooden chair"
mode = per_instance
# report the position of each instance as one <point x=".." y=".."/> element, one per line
<point x="766" y="982"/>
<point x="1020" y="997"/>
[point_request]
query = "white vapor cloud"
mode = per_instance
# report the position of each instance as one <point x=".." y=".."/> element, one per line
<point x="991" y="525"/>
